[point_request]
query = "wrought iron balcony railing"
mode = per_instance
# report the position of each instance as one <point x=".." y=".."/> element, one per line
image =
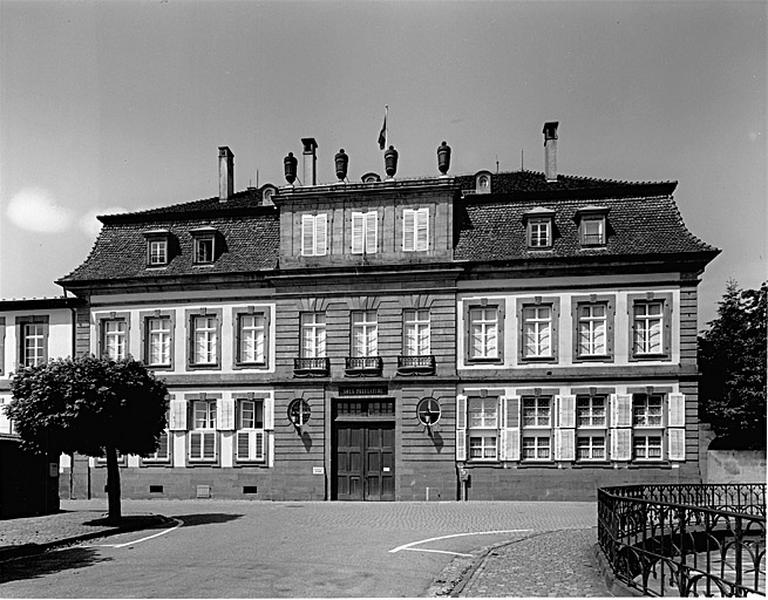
<point x="416" y="365"/>
<point x="311" y="367"/>
<point x="363" y="365"/>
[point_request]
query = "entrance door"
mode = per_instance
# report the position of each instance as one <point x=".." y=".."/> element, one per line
<point x="365" y="461"/>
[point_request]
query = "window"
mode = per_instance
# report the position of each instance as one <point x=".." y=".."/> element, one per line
<point x="250" y="430"/>
<point x="202" y="437"/>
<point x="415" y="230"/>
<point x="537" y="428"/>
<point x="163" y="452"/>
<point x="540" y="233"/>
<point x="2" y="346"/>
<point x="158" y="253"/>
<point x="590" y="411"/>
<point x="34" y="343"/>
<point x="590" y="447"/>
<point x="484" y="339"/>
<point x="251" y="339"/>
<point x="159" y="340"/>
<point x="590" y="427"/>
<point x="647" y="410"/>
<point x="364" y="333"/>
<point x="204" y="248"/>
<point x="114" y="338"/>
<point x="592" y="330"/>
<point x="648" y="327"/>
<point x="314" y="235"/>
<point x="364" y="232"/>
<point x="204" y="340"/>
<point x="483" y="183"/>
<point x="483" y="421"/>
<point x="416" y="332"/>
<point x="647" y="447"/>
<point x="312" y="335"/>
<point x="537" y="331"/>
<point x="593" y="230"/>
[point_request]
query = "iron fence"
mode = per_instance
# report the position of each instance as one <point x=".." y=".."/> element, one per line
<point x="685" y="540"/>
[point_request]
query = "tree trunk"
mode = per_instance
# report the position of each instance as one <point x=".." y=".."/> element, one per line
<point x="113" y="486"/>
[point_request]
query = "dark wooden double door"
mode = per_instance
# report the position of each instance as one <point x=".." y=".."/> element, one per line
<point x="364" y="461"/>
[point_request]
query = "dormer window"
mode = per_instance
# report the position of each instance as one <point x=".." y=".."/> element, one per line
<point x="592" y="226"/>
<point x="157" y="247"/>
<point x="267" y="192"/>
<point x="539" y="228"/>
<point x="204" y="245"/>
<point x="483" y="183"/>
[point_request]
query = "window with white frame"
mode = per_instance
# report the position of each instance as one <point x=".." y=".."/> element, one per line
<point x="204" y="248"/>
<point x="163" y="452"/>
<point x="205" y="340"/>
<point x="591" y="412"/>
<point x="159" y="338"/>
<point x="540" y="233"/>
<point x="312" y="335"/>
<point x="113" y="338"/>
<point x="537" y="428"/>
<point x="415" y="229"/>
<point x="592" y="230"/>
<point x="483" y="422"/>
<point x="647" y="447"/>
<point x="648" y="327"/>
<point x="591" y="426"/>
<point x="252" y="338"/>
<point x="537" y="331"/>
<point x="34" y="349"/>
<point x="314" y="235"/>
<point x="483" y="333"/>
<point x="158" y="252"/>
<point x="647" y="410"/>
<point x="364" y="232"/>
<point x="416" y="332"/>
<point x="590" y="447"/>
<point x="250" y="430"/>
<point x="365" y="333"/>
<point x="592" y="330"/>
<point x="202" y="437"/>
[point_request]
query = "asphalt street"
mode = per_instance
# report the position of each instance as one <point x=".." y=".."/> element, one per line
<point x="284" y="549"/>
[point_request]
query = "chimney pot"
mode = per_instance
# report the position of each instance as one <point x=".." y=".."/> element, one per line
<point x="309" y="165"/>
<point x="550" y="150"/>
<point x="226" y="173"/>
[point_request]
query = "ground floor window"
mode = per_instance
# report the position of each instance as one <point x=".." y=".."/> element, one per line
<point x="590" y="447"/>
<point x="537" y="447"/>
<point x="482" y="447"/>
<point x="647" y="447"/>
<point x="202" y="437"/>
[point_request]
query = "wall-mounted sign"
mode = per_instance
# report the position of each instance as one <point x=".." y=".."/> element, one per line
<point x="299" y="412"/>
<point x="318" y="470"/>
<point x="428" y="411"/>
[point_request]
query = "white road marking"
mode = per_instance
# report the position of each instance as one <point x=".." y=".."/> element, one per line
<point x="436" y="551"/>
<point x="455" y="535"/>
<point x="179" y="523"/>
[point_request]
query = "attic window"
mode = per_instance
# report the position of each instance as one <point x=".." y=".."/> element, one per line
<point x="371" y="178"/>
<point x="592" y="226"/>
<point x="266" y="196"/>
<point x="204" y="245"/>
<point x="539" y="228"/>
<point x="157" y="247"/>
<point x="483" y="183"/>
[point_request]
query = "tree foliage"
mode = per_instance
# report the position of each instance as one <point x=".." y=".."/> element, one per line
<point x="732" y="362"/>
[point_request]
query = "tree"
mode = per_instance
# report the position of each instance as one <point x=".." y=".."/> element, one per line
<point x="92" y="406"/>
<point x="732" y="362"/>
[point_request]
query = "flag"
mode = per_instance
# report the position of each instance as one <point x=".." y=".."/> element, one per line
<point x="383" y="134"/>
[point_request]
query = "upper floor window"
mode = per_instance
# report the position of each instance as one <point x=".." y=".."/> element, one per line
<point x="204" y="340"/>
<point x="204" y="245"/>
<point x="484" y="333"/>
<point x="592" y="329"/>
<point x="593" y="230"/>
<point x="416" y="332"/>
<point x="252" y="338"/>
<point x="415" y="229"/>
<point x="33" y="340"/>
<point x="364" y="232"/>
<point x="483" y="183"/>
<point x="537" y="331"/>
<point x="647" y="410"/>
<point x="312" y="333"/>
<point x="314" y="235"/>
<point x="114" y="335"/>
<point x="365" y="333"/>
<point x="648" y="327"/>
<point x="540" y="233"/>
<point x="157" y="247"/>
<point x="590" y="411"/>
<point x="159" y="339"/>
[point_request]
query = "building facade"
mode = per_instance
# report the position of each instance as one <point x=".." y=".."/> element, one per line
<point x="516" y="335"/>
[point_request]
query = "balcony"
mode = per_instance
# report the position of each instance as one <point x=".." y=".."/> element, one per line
<point x="311" y="367"/>
<point x="357" y="366"/>
<point x="416" y="365"/>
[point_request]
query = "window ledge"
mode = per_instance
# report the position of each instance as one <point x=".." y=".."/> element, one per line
<point x="598" y="464"/>
<point x="651" y="464"/>
<point x="494" y="464"/>
<point x="537" y="465"/>
<point x="204" y="367"/>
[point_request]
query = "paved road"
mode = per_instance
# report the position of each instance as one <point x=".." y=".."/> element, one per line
<point x="284" y="549"/>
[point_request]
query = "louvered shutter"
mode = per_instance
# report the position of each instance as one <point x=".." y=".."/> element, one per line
<point x="676" y="410"/>
<point x="269" y="413"/>
<point x="307" y="235"/>
<point x="258" y="445"/>
<point x="371" y="232"/>
<point x="409" y="226"/>
<point x="243" y="445"/>
<point x="225" y="414"/>
<point x="461" y="428"/>
<point x="178" y="415"/>
<point x="422" y="229"/>
<point x="676" y="440"/>
<point x="511" y="428"/>
<point x="357" y="233"/>
<point x="209" y="445"/>
<point x="162" y="448"/>
<point x="195" y="445"/>
<point x="321" y="234"/>
<point x="622" y="413"/>
<point x="621" y="444"/>
<point x="565" y="432"/>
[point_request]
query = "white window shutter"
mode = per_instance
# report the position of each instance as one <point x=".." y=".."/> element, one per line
<point x="566" y="414"/>
<point x="357" y="233"/>
<point x="409" y="226"/>
<point x="461" y="428"/>
<point x="269" y="412"/>
<point x="511" y="425"/>
<point x="225" y="414"/>
<point x="621" y="444"/>
<point x="422" y="229"/>
<point x="676" y="410"/>
<point x="565" y="444"/>
<point x="321" y="234"/>
<point x="178" y="415"/>
<point x="307" y="235"/>
<point x="623" y="414"/>
<point x="676" y="439"/>
<point x="371" y="232"/>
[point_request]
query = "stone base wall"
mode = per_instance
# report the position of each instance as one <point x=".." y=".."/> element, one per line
<point x="736" y="466"/>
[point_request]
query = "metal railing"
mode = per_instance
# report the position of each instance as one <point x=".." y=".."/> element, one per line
<point x="363" y="365"/>
<point x="685" y="540"/>
<point x="411" y="365"/>
<point x="303" y="366"/>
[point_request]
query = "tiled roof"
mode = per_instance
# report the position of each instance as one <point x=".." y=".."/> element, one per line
<point x="492" y="228"/>
<point x="120" y="252"/>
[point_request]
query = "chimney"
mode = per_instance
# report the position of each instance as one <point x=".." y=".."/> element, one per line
<point x="226" y="173"/>
<point x="309" y="165"/>
<point x="550" y="150"/>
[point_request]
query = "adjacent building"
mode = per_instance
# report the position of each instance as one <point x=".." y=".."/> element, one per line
<point x="518" y="335"/>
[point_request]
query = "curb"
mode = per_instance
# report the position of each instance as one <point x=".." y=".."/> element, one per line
<point x="26" y="550"/>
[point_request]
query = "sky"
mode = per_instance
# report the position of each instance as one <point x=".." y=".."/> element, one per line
<point x="122" y="105"/>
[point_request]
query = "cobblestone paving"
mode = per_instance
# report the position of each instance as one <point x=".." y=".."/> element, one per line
<point x="49" y="528"/>
<point x="553" y="564"/>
